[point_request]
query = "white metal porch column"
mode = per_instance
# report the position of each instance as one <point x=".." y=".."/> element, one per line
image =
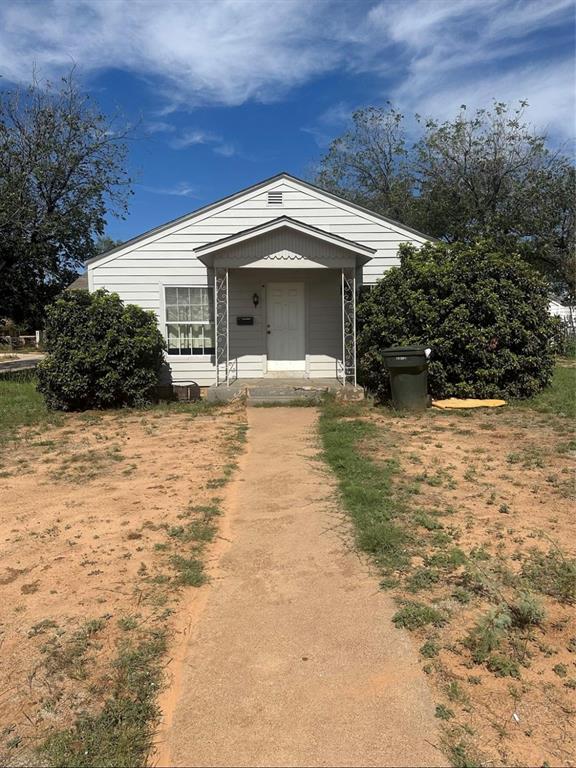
<point x="222" y="326"/>
<point x="349" y="325"/>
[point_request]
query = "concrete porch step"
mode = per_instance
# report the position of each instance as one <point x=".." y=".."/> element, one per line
<point x="268" y="391"/>
<point x="263" y="395"/>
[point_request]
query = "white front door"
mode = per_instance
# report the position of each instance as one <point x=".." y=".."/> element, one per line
<point x="285" y="328"/>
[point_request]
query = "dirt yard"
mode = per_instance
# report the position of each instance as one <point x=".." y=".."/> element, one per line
<point x="103" y="524"/>
<point x="489" y="592"/>
<point x="107" y="518"/>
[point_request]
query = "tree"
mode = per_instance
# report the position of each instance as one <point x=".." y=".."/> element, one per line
<point x="489" y="175"/>
<point x="101" y="353"/>
<point x="483" y="313"/>
<point x="484" y="175"/>
<point x="62" y="170"/>
<point x="106" y="243"/>
<point x="369" y="164"/>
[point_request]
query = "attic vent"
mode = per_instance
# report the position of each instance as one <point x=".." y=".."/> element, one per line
<point x="274" y="198"/>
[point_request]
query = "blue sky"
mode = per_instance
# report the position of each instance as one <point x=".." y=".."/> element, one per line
<point x="228" y="92"/>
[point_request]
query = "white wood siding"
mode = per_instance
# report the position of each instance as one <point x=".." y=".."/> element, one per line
<point x="138" y="271"/>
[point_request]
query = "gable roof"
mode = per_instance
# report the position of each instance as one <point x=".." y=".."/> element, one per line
<point x="283" y="176"/>
<point x="286" y="222"/>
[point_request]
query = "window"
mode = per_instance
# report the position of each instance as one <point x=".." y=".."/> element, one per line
<point x="274" y="198"/>
<point x="190" y="321"/>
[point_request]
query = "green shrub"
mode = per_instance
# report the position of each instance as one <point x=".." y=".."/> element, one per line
<point x="101" y="353"/>
<point x="484" y="314"/>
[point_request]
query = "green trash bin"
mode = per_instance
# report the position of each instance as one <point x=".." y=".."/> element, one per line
<point x="408" y="368"/>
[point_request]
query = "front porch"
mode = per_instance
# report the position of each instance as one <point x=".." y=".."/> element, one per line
<point x="285" y="306"/>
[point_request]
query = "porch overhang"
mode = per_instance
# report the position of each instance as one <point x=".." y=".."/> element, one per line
<point x="284" y="242"/>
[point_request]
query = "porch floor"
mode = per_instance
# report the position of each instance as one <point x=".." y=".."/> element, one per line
<point x="280" y="390"/>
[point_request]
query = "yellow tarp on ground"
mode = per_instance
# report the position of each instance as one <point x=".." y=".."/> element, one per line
<point x="455" y="402"/>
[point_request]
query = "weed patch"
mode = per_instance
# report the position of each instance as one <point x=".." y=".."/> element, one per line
<point x="443" y="712"/>
<point x="488" y="633"/>
<point x="190" y="571"/>
<point x="71" y="657"/>
<point x="416" y="615"/>
<point x="553" y="574"/>
<point x="121" y="734"/>
<point x="430" y="649"/>
<point x="503" y="666"/>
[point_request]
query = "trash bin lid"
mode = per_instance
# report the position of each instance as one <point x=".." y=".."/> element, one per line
<point x="412" y="351"/>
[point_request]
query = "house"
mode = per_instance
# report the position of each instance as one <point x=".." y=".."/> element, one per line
<point x="563" y="311"/>
<point x="260" y="284"/>
<point x="80" y="284"/>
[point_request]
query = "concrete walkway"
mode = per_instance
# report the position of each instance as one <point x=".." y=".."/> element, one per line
<point x="293" y="659"/>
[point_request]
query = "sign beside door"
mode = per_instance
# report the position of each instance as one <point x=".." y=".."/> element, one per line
<point x="286" y="327"/>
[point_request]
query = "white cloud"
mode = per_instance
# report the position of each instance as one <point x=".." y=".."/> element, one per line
<point x="193" y="136"/>
<point x="182" y="189"/>
<point x="330" y="123"/>
<point x="470" y="52"/>
<point x="547" y="89"/>
<point x="205" y="51"/>
<point x="158" y="126"/>
<point x="426" y="55"/>
<point x="227" y="149"/>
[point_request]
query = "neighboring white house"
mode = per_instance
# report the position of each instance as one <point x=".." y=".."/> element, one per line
<point x="563" y="311"/>
<point x="261" y="282"/>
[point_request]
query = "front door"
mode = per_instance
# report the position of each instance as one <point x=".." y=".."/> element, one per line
<point x="285" y="329"/>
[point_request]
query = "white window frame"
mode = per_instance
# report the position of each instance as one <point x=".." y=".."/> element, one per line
<point x="164" y="323"/>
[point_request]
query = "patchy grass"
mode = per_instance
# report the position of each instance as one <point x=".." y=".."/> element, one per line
<point x="552" y="573"/>
<point x="190" y="571"/>
<point x="365" y="487"/>
<point x="168" y="407"/>
<point x="305" y="402"/>
<point x="120" y="735"/>
<point x="559" y="398"/>
<point x="415" y="615"/>
<point x="83" y="466"/>
<point x="21" y="405"/>
<point x="71" y="657"/>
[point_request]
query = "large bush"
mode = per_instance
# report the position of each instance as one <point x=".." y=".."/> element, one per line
<point x="101" y="353"/>
<point x="484" y="314"/>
